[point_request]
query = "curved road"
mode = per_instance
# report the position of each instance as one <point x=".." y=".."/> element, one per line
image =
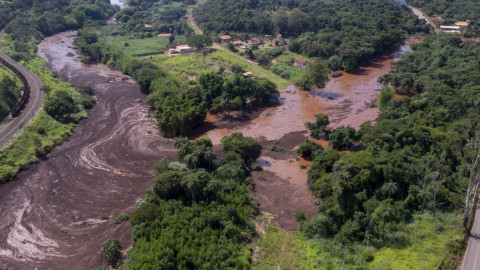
<point x="10" y="127"/>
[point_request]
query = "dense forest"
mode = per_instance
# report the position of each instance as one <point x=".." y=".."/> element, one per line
<point x="416" y="158"/>
<point x="37" y="19"/>
<point x="164" y="16"/>
<point x="344" y="32"/>
<point x="452" y="11"/>
<point x="198" y="213"/>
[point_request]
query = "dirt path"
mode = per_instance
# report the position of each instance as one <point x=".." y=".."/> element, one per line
<point x="283" y="252"/>
<point x="422" y="15"/>
<point x="11" y="127"/>
<point x="57" y="214"/>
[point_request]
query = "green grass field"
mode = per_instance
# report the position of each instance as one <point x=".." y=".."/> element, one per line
<point x="193" y="65"/>
<point x="429" y="242"/>
<point x="142" y="47"/>
<point x="427" y="246"/>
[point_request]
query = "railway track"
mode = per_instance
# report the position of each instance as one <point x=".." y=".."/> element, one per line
<point x="29" y="104"/>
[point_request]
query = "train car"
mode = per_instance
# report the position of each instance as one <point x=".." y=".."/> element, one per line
<point x="16" y="110"/>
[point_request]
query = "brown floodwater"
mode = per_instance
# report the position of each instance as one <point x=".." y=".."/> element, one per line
<point x="347" y="100"/>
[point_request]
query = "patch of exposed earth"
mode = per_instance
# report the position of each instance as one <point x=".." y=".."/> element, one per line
<point x="57" y="214"/>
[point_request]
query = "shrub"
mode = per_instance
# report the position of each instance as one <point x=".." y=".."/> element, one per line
<point x="112" y="248"/>
<point x="122" y="217"/>
<point x="60" y="105"/>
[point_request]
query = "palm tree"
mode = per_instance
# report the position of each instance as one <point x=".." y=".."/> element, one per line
<point x="389" y="189"/>
<point x="193" y="184"/>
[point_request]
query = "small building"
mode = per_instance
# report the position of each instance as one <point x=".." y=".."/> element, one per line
<point x="247" y="74"/>
<point x="300" y="63"/>
<point x="164" y="35"/>
<point x="173" y="51"/>
<point x="183" y="49"/>
<point x="462" y="24"/>
<point x="450" y="28"/>
<point x="255" y="41"/>
<point x="279" y="36"/>
<point x="237" y="43"/>
<point x="148" y="25"/>
<point x="225" y="38"/>
<point x="337" y="74"/>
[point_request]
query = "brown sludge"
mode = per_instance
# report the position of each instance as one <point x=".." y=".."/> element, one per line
<point x="57" y="214"/>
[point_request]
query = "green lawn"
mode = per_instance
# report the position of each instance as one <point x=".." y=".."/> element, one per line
<point x="142" y="47"/>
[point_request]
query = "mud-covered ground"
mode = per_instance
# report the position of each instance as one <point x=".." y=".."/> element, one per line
<point x="281" y="187"/>
<point x="57" y="214"/>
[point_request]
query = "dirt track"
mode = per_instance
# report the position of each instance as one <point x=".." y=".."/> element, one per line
<point x="57" y="214"/>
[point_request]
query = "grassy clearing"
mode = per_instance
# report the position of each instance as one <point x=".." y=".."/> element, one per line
<point x="142" y="47"/>
<point x="427" y="245"/>
<point x="289" y="250"/>
<point x="190" y="65"/>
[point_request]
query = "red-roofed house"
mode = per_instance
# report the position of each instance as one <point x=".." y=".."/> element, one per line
<point x="255" y="41"/>
<point x="225" y="38"/>
<point x="462" y="24"/>
<point x="237" y="43"/>
<point x="148" y="25"/>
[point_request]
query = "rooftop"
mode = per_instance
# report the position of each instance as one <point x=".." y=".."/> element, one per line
<point x="225" y="37"/>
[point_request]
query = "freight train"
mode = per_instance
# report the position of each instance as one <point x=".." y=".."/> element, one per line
<point x="26" y="90"/>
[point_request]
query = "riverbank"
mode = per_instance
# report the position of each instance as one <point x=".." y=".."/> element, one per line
<point x="58" y="213"/>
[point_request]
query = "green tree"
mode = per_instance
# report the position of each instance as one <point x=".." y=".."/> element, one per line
<point x="112" y="248"/>
<point x="386" y="94"/>
<point x="246" y="147"/>
<point x="316" y="74"/>
<point x="61" y="105"/>
<point x="319" y="126"/>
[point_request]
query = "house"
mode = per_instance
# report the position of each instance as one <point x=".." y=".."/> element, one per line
<point x="247" y="74"/>
<point x="337" y="74"/>
<point x="225" y="38"/>
<point x="164" y="35"/>
<point x="300" y="63"/>
<point x="183" y="49"/>
<point x="180" y="49"/>
<point x="450" y="28"/>
<point x="237" y="43"/>
<point x="148" y="25"/>
<point x="462" y="24"/>
<point x="279" y="36"/>
<point x="255" y="41"/>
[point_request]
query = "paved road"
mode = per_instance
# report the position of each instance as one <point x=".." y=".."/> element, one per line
<point x="10" y="127"/>
<point x="472" y="255"/>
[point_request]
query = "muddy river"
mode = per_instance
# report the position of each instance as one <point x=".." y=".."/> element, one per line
<point x="57" y="214"/>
